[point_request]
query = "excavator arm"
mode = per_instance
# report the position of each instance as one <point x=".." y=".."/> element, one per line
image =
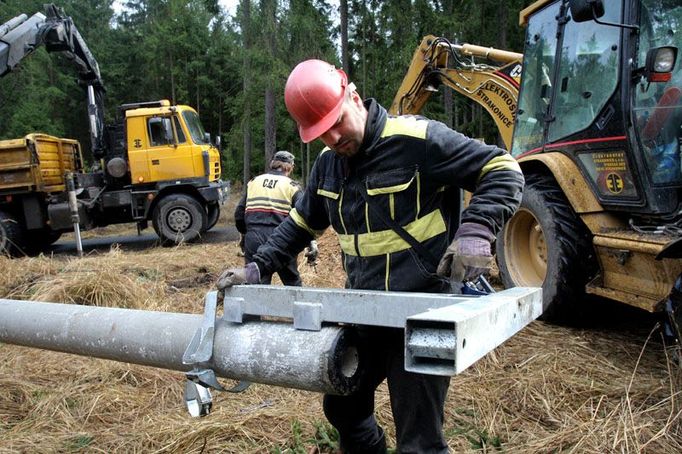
<point x="488" y="76"/>
<point x="21" y="35"/>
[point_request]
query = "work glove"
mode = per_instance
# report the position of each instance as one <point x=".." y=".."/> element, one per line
<point x="250" y="274"/>
<point x="311" y="253"/>
<point x="469" y="254"/>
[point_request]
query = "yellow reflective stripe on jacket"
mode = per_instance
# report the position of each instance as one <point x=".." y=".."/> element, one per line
<point x="298" y="219"/>
<point x="343" y="225"/>
<point x="405" y="126"/>
<point x="387" y="241"/>
<point x="390" y="189"/>
<point x="331" y="195"/>
<point x="419" y="191"/>
<point x="504" y="162"/>
<point x="265" y="202"/>
<point x="388" y="272"/>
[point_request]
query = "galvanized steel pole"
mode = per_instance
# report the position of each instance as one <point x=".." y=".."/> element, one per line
<point x="263" y="352"/>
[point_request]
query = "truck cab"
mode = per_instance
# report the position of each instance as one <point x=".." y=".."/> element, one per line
<point x="168" y="142"/>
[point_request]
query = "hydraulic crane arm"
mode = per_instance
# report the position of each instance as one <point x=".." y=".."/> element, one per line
<point x="494" y="84"/>
<point x="20" y="36"/>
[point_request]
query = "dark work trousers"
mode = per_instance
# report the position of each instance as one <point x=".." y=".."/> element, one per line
<point x="417" y="401"/>
<point x="253" y="239"/>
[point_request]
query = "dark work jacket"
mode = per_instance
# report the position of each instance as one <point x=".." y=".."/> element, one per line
<point x="404" y="165"/>
<point x="266" y="202"/>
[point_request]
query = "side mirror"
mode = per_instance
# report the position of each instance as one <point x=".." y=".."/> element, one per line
<point x="660" y="62"/>
<point x="168" y="131"/>
<point x="218" y="142"/>
<point x="207" y="137"/>
<point x="584" y="10"/>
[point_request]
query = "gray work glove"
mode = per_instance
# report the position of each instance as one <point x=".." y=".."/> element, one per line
<point x="250" y="274"/>
<point x="469" y="254"/>
<point x="311" y="253"/>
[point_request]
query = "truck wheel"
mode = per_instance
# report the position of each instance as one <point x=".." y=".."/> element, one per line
<point x="11" y="235"/>
<point x="545" y="244"/>
<point x="213" y="210"/>
<point x="37" y="240"/>
<point x="178" y="218"/>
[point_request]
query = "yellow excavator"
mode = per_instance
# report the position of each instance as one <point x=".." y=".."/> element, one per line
<point x="596" y="108"/>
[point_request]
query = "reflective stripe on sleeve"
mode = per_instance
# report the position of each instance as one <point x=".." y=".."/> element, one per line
<point x="504" y="162"/>
<point x="298" y="219"/>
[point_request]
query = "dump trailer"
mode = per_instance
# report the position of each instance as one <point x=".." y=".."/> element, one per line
<point x="286" y="336"/>
<point x="592" y="111"/>
<point x="154" y="163"/>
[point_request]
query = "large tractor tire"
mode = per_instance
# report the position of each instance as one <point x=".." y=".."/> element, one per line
<point x="178" y="218"/>
<point x="11" y="235"/>
<point x="546" y="245"/>
<point x="213" y="213"/>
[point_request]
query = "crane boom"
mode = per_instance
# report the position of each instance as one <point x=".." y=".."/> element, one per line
<point x="493" y="85"/>
<point x="22" y="35"/>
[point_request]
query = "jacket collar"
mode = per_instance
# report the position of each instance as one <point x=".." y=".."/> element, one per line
<point x="376" y="121"/>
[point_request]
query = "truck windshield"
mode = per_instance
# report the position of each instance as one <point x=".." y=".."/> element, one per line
<point x="196" y="130"/>
<point x="657" y="106"/>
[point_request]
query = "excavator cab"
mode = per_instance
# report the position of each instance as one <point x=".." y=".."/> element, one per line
<point x="606" y="93"/>
<point x="598" y="135"/>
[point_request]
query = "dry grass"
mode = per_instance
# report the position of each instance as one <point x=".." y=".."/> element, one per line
<point x="548" y="389"/>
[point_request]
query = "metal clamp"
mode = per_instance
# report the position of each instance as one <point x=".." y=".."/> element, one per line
<point x="198" y="354"/>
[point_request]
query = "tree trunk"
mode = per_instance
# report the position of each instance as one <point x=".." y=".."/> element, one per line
<point x="270" y="125"/>
<point x="307" y="161"/>
<point x="270" y="34"/>
<point x="502" y="26"/>
<point x="246" y="119"/>
<point x="345" y="60"/>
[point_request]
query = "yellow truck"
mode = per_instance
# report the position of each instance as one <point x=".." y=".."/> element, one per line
<point x="154" y="163"/>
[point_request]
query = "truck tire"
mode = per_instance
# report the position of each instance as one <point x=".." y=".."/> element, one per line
<point x="178" y="218"/>
<point x="11" y="235"/>
<point x="213" y="214"/>
<point x="38" y="240"/>
<point x="545" y="244"/>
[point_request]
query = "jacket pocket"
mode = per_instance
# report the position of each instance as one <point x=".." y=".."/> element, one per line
<point x="393" y="194"/>
<point x="391" y="182"/>
<point x="331" y="191"/>
<point x="330" y="188"/>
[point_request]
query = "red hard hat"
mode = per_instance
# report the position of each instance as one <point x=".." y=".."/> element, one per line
<point x="314" y="95"/>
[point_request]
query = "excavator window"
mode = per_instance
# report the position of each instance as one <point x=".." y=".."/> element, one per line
<point x="538" y="64"/>
<point x="657" y="107"/>
<point x="588" y="73"/>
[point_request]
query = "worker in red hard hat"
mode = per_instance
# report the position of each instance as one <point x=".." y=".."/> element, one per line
<point x="382" y="184"/>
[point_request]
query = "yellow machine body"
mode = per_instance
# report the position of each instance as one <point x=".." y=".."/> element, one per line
<point x="154" y="157"/>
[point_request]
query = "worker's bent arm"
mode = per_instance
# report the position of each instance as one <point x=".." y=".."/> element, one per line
<point x="491" y="174"/>
<point x="305" y="222"/>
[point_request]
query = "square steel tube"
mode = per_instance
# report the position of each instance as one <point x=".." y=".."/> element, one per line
<point x="447" y="340"/>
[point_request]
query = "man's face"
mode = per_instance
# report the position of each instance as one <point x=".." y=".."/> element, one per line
<point x="345" y="136"/>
